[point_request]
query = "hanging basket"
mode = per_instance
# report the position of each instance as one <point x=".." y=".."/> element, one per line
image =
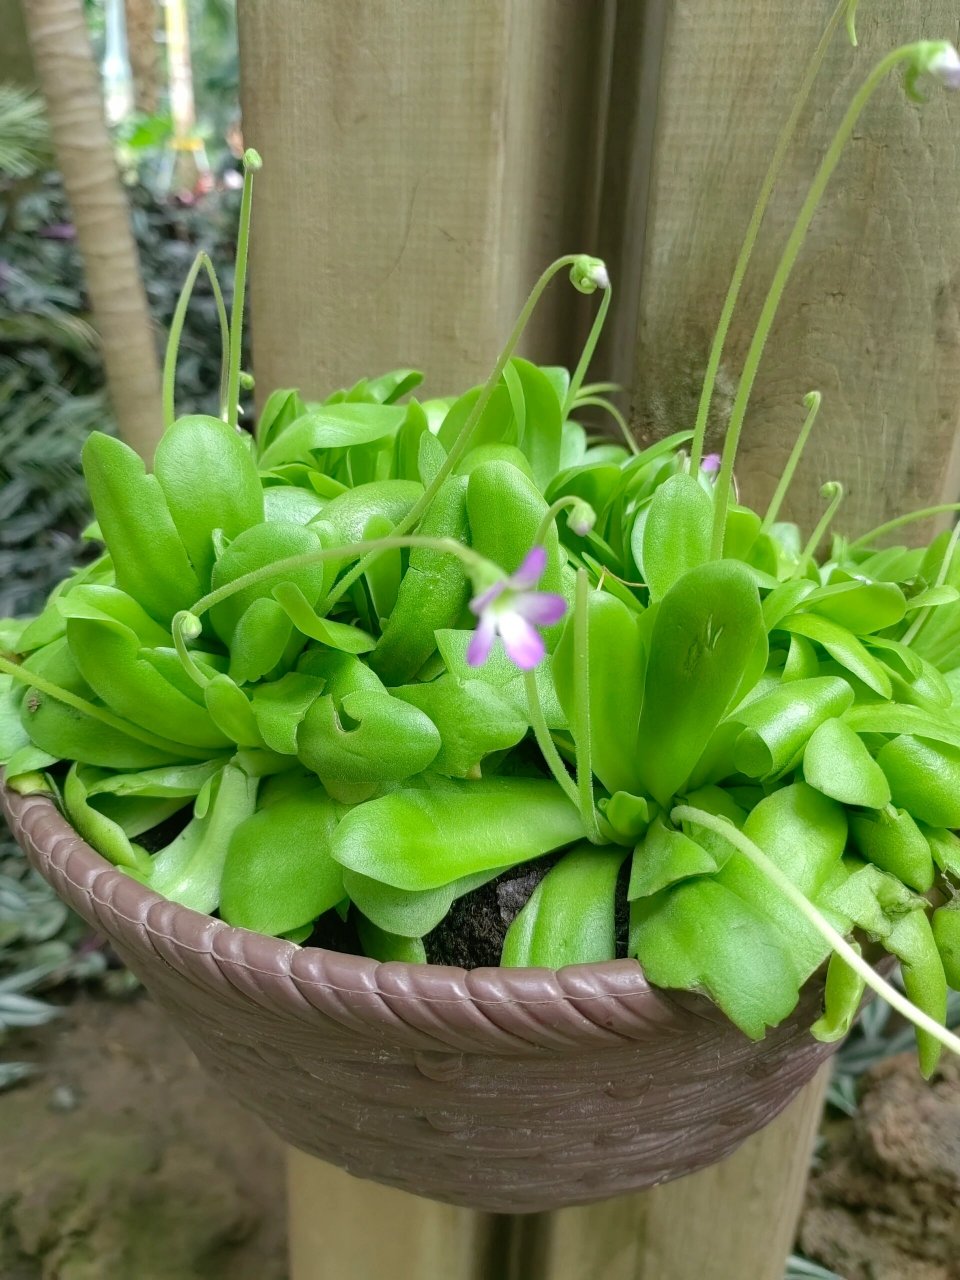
<point x="504" y="1090"/>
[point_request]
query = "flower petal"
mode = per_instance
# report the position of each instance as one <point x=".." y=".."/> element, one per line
<point x="524" y="645"/>
<point x="486" y="598"/>
<point x="531" y="571"/>
<point x="542" y="608"/>
<point x="481" y="642"/>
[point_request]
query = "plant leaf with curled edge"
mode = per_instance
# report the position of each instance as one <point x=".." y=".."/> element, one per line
<point x="335" y="635"/>
<point x="209" y="478"/>
<point x="409" y="913"/>
<point x="373" y="738"/>
<point x="614" y="687"/>
<point x="176" y="781"/>
<point x="682" y="938"/>
<point x="380" y="945"/>
<point x="231" y="711"/>
<point x="278" y="873"/>
<point x="843" y="647"/>
<point x="778" y="726"/>
<point x="843" y="992"/>
<point x="945" y="847"/>
<point x="891" y="839"/>
<point x="255" y="549"/>
<point x="279" y="707"/>
<point x="836" y="762"/>
<point x="704" y="636"/>
<point x="924" y="779"/>
<point x="860" y="607"/>
<point x="259" y="641"/>
<point x="570" y="917"/>
<point x="337" y="426"/>
<point x="473" y="720"/>
<point x="190" y="869"/>
<point x="419" y="839"/>
<point x="664" y="857"/>
<point x="675" y="536"/>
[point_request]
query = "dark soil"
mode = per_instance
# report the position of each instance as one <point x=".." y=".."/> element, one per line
<point x="122" y="1162"/>
<point x="884" y="1200"/>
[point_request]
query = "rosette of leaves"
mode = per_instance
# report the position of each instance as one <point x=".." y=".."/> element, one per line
<point x="270" y="673"/>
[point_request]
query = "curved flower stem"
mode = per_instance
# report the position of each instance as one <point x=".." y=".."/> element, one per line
<point x="812" y="401"/>
<point x="587" y="354"/>
<point x="914" y="629"/>
<point x="548" y="748"/>
<point x="475" y="563"/>
<point x="726" y="829"/>
<point x="561" y="504"/>
<point x="200" y="262"/>
<point x="753" y="227"/>
<point x="833" y="490"/>
<point x="905" y="53"/>
<point x="462" y="442"/>
<point x="925" y="513"/>
<point x="601" y="402"/>
<point x="36" y="681"/>
<point x="251" y="162"/>
<point x="581" y="702"/>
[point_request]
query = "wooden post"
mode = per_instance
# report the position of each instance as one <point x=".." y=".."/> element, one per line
<point x="871" y="317"/>
<point x="422" y="163"/>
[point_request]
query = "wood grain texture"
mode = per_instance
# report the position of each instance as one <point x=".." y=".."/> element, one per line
<point x="423" y="162"/>
<point x="344" y="1229"/>
<point x="872" y="314"/>
<point x="71" y="86"/>
<point x="735" y="1219"/>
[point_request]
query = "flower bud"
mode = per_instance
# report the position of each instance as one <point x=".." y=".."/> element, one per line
<point x="937" y="58"/>
<point x="589" y="274"/>
<point x="251" y="160"/>
<point x="246" y="380"/>
<point x="188" y="624"/>
<point x="581" y="519"/>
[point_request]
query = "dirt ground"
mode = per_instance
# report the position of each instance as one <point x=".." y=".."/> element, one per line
<point x="121" y="1162"/>
<point x="884" y="1200"/>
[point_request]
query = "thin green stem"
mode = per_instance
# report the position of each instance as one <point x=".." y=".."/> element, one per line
<point x="753" y="227"/>
<point x="833" y="490"/>
<point x="476" y="563"/>
<point x="601" y="402"/>
<point x="462" y="442"/>
<point x="35" y="681"/>
<point x="925" y="513"/>
<point x="224" y="336"/>
<point x="915" y="627"/>
<point x="561" y="504"/>
<point x="781" y="276"/>
<point x="722" y="827"/>
<point x="173" y="341"/>
<point x="548" y="748"/>
<point x="812" y="401"/>
<point x="589" y="347"/>
<point x="251" y="162"/>
<point x="581" y="702"/>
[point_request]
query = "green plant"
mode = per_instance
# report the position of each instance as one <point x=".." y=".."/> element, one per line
<point x="381" y="651"/>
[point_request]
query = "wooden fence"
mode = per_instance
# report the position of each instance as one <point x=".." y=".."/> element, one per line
<point x="423" y="161"/>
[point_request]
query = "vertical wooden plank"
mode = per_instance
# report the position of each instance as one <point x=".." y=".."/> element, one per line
<point x="872" y="315"/>
<point x="343" y="1229"/>
<point x="736" y="1219"/>
<point x="423" y="162"/>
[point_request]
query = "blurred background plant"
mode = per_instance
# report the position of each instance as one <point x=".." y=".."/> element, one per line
<point x="52" y="385"/>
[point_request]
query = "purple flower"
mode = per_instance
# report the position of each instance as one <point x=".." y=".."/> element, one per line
<point x="945" y="65"/>
<point x="513" y="610"/>
<point x="711" y="464"/>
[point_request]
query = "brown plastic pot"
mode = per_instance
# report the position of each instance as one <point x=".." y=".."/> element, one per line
<point x="507" y="1090"/>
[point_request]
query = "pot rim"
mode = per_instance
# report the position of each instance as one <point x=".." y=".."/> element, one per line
<point x="492" y="1009"/>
